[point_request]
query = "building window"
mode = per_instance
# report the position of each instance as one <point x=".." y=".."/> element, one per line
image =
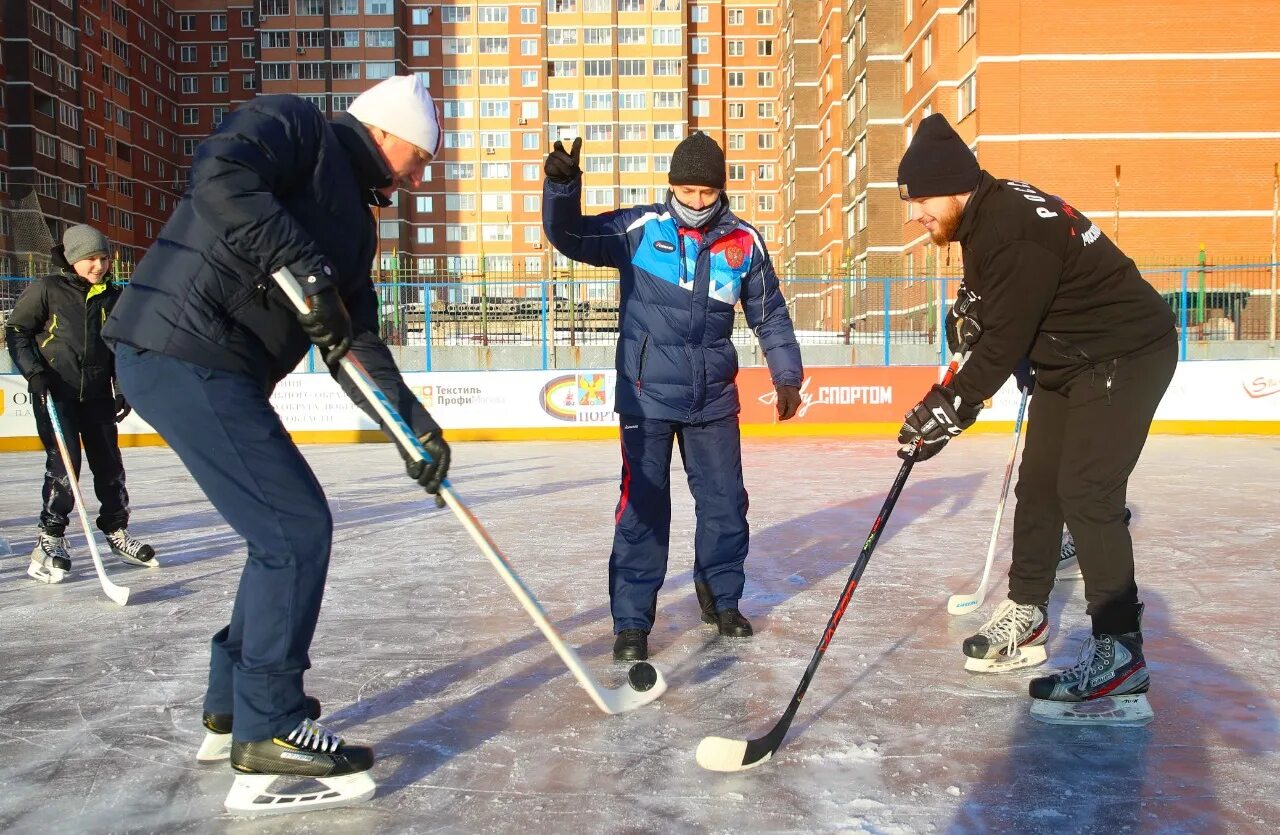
<point x="218" y="22"/>
<point x="967" y="95"/>
<point x="764" y="48"/>
<point x="190" y="84"/>
<point x="764" y="17"/>
<point x="968" y="21"/>
<point x="700" y="45"/>
<point x="188" y="55"/>
<point x="421" y="17"/>
<point x="700" y="108"/>
<point x="737" y="171"/>
<point x="926" y="57"/>
<point x="736" y="79"/>
<point x="529" y="15"/>
<point x="186" y="23"/>
<point x="190" y="116"/>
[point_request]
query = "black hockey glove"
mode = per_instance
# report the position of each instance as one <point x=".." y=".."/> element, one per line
<point x="788" y="402"/>
<point x="122" y="408"/>
<point x="1025" y="375"/>
<point x="562" y="166"/>
<point x="328" y="324"/>
<point x="963" y="327"/>
<point x="431" y="474"/>
<point x="39" y="384"/>
<point x="934" y="421"/>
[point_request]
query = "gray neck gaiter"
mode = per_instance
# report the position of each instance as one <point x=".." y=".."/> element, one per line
<point x="692" y="218"/>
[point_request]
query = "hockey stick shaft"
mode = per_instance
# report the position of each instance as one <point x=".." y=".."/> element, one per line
<point x="757" y="751"/>
<point x="960" y="604"/>
<point x="409" y="442"/>
<point x="118" y="594"/>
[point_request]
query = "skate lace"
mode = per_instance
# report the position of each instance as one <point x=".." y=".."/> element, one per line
<point x="312" y="735"/>
<point x="1008" y="622"/>
<point x="1068" y="548"/>
<point x="124" y="541"/>
<point x="1094" y="657"/>
<point x="54" y="545"/>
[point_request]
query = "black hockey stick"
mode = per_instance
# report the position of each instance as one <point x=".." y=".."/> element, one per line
<point x="716" y="753"/>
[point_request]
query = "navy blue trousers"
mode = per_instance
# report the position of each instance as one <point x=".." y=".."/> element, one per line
<point x="231" y="440"/>
<point x="712" y="454"/>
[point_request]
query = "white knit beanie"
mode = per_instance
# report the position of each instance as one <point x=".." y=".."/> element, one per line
<point x="402" y="107"/>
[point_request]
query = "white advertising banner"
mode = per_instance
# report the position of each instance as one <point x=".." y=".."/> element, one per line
<point x="1245" y="390"/>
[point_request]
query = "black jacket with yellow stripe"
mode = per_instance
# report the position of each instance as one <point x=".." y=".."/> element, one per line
<point x="56" y="328"/>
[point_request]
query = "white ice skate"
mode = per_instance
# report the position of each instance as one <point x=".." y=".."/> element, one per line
<point x="131" y="550"/>
<point x="50" y="562"/>
<point x="309" y="752"/>
<point x="1012" y="639"/>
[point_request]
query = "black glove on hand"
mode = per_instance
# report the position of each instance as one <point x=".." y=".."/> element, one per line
<point x="38" y="384"/>
<point x="1026" y="376"/>
<point x="430" y="474"/>
<point x="935" y="420"/>
<point x="788" y="402"/>
<point x="122" y="408"/>
<point x="963" y="327"/>
<point x="562" y="166"/>
<point x="328" y="325"/>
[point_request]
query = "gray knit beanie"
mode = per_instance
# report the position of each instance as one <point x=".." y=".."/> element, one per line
<point x="80" y="242"/>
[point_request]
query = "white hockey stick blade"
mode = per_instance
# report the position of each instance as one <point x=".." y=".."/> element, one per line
<point x="214" y="748"/>
<point x="118" y="594"/>
<point x="716" y="753"/>
<point x="1026" y="657"/>
<point x="1117" y="711"/>
<point x="963" y="604"/>
<point x="251" y="794"/>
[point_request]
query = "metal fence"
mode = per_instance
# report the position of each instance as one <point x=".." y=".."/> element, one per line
<point x="515" y="320"/>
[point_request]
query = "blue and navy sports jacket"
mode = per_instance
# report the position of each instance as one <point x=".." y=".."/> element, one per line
<point x="679" y="286"/>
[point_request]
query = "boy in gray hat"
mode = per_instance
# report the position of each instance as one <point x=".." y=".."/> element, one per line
<point x="55" y="340"/>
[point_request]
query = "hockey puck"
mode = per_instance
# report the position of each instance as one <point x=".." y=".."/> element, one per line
<point x="642" y="676"/>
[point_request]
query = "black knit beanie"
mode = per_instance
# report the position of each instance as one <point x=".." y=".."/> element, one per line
<point x="937" y="162"/>
<point x="697" y="161"/>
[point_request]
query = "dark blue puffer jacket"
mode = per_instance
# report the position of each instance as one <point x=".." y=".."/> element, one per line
<point x="679" y="286"/>
<point x="276" y="185"/>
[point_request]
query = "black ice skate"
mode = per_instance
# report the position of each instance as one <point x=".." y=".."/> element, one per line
<point x="1068" y="564"/>
<point x="308" y="752"/>
<point x="50" y="562"/>
<point x="729" y="622"/>
<point x="217" y="739"/>
<point x="1107" y="686"/>
<point x="1012" y="639"/>
<point x="130" y="550"/>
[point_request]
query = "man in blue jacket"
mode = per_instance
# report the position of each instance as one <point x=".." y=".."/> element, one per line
<point x="683" y="266"/>
<point x="202" y="336"/>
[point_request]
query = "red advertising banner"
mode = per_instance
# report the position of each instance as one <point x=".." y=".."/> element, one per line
<point x="839" y="395"/>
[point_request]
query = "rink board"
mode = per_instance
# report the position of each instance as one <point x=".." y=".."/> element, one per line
<point x="1212" y="397"/>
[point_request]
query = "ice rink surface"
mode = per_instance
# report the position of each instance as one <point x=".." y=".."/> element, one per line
<point x="479" y="728"/>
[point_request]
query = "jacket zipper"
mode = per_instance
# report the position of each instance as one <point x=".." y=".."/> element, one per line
<point x="644" y="350"/>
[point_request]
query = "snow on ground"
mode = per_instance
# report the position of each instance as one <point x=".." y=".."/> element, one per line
<point x="479" y="728"/>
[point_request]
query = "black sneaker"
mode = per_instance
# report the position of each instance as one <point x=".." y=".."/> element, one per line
<point x="631" y="645"/>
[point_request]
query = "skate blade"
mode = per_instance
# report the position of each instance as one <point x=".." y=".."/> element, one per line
<point x="1131" y="711"/>
<point x="128" y="560"/>
<point x="214" y="748"/>
<point x="251" y="794"/>
<point x="45" y="575"/>
<point x="1026" y="657"/>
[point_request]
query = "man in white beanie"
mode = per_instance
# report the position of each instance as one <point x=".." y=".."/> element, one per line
<point x="202" y="336"/>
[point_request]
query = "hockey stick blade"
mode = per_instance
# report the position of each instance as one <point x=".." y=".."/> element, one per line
<point x="639" y="691"/>
<point x="118" y="594"/>
<point x="717" y="753"/>
<point x="962" y="604"/>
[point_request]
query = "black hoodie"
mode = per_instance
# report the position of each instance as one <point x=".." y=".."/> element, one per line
<point x="56" y="329"/>
<point x="1053" y="288"/>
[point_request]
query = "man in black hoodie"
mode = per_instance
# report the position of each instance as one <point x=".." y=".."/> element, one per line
<point x="1043" y="282"/>
<point x="202" y="336"/>
<point x="55" y="339"/>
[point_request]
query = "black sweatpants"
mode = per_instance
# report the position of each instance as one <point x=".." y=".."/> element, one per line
<point x="93" y="424"/>
<point x="1083" y="441"/>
